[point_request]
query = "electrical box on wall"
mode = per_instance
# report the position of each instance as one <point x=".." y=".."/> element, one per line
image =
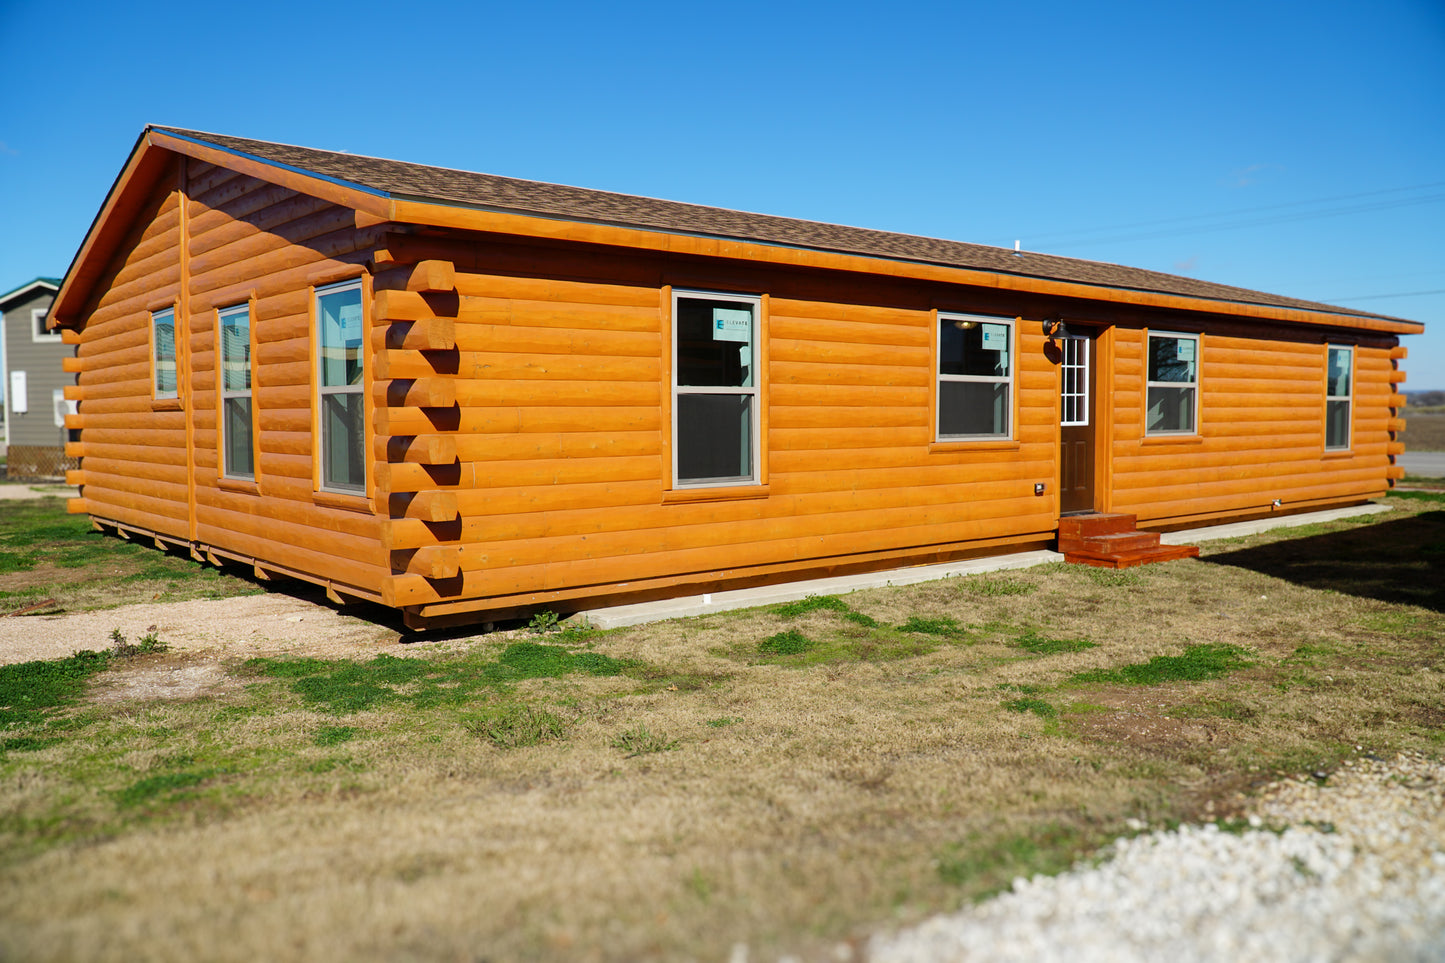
<point x="19" y="396"/>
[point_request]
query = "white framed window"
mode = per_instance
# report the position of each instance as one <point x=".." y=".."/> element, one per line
<point x="163" y="353"/>
<point x="975" y="377"/>
<point x="1074" y="390"/>
<point x="1172" y="385"/>
<point x="238" y="450"/>
<point x="339" y="390"/>
<point x="38" y="331"/>
<point x="1339" y="393"/>
<point x="715" y="389"/>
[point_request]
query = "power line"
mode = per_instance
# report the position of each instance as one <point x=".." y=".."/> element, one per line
<point x="1259" y="222"/>
<point x="1377" y="297"/>
<point x="1082" y="236"/>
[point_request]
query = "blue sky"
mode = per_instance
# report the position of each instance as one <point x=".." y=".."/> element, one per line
<point x="1291" y="147"/>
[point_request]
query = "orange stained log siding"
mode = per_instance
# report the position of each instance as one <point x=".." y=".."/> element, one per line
<point x="1261" y="429"/>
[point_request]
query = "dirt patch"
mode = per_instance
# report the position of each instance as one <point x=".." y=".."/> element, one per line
<point x="1140" y="720"/>
<point x="164" y="679"/>
<point x="234" y="628"/>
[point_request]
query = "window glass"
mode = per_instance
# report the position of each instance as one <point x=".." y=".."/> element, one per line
<point x="339" y="387"/>
<point x="342" y="425"/>
<point x="1337" y="397"/>
<point x="715" y="343"/>
<point x="1172" y="390"/>
<point x="1171" y="359"/>
<point x="237" y="433"/>
<point x="975" y="377"/>
<point x="40" y="331"/>
<point x="163" y="346"/>
<point x="339" y="313"/>
<point x="715" y="437"/>
<point x="715" y="389"/>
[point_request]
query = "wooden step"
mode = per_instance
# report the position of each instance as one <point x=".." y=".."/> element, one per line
<point x="1096" y="523"/>
<point x="1110" y="544"/>
<point x="1112" y="540"/>
<point x="1160" y="553"/>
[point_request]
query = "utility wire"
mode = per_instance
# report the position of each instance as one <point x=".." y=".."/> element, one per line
<point x="1377" y="297"/>
<point x="1072" y="238"/>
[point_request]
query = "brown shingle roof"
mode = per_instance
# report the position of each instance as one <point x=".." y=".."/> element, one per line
<point x="492" y="192"/>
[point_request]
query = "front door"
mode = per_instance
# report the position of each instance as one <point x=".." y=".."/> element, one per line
<point x="1076" y="422"/>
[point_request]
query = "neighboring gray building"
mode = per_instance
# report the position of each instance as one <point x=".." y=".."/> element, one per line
<point x="34" y="382"/>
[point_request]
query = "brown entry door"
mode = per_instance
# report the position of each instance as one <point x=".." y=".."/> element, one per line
<point x="1076" y="423"/>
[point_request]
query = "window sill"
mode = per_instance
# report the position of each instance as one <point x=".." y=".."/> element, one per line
<point x="165" y="404"/>
<point x="345" y="502"/>
<point x="1339" y="455"/>
<point x="982" y="444"/>
<point x="241" y="486"/>
<point x="680" y="496"/>
<point x="1194" y="439"/>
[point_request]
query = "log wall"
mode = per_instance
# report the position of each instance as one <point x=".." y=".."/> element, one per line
<point x="1261" y="429"/>
<point x="213" y="239"/>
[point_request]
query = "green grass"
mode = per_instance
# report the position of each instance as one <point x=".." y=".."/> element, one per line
<point x="165" y="784"/>
<point x="31" y="691"/>
<point x="983" y="865"/>
<point x="1031" y="641"/>
<point x="334" y="735"/>
<point x="52" y="554"/>
<point x="787" y="642"/>
<point x="1038" y="707"/>
<point x="825" y="603"/>
<point x="943" y="625"/>
<point x="1198" y="663"/>
<point x="1417" y="496"/>
<point x="343" y="687"/>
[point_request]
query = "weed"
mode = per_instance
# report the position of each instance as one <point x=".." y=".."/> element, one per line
<point x="943" y="625"/>
<point x="996" y="586"/>
<point x="825" y="603"/>
<point x="30" y="690"/>
<point x="333" y="735"/>
<point x="1038" y="707"/>
<point x="1199" y="662"/>
<point x="543" y="622"/>
<point x="813" y="603"/>
<point x="123" y="648"/>
<point x="637" y="741"/>
<point x="514" y="727"/>
<point x="789" y="642"/>
<point x="1031" y="641"/>
<point x="724" y="722"/>
<point x="1019" y="687"/>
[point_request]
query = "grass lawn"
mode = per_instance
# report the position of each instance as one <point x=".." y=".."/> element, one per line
<point x="790" y="777"/>
<point x="47" y="554"/>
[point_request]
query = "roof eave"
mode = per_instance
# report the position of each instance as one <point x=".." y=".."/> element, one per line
<point x="141" y="173"/>
<point x="432" y="213"/>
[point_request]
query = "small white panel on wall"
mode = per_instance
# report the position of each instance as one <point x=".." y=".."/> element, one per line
<point x="19" y="398"/>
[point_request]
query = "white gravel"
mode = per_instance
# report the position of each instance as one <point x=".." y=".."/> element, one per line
<point x="1358" y="875"/>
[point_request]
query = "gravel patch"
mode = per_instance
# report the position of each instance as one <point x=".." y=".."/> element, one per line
<point x="1357" y="875"/>
<point x="241" y="627"/>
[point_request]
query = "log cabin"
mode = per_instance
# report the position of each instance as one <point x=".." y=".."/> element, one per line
<point x="469" y="397"/>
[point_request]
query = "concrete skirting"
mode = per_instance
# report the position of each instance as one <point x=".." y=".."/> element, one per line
<point x="620" y="615"/>
<point x="1238" y="529"/>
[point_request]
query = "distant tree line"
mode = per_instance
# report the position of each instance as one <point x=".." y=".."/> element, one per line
<point x="1424" y="399"/>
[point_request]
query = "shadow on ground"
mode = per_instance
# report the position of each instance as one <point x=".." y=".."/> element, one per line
<point x="1401" y="561"/>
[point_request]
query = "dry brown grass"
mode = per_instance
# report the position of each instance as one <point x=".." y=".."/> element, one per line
<point x="1424" y="431"/>
<point x="808" y="799"/>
